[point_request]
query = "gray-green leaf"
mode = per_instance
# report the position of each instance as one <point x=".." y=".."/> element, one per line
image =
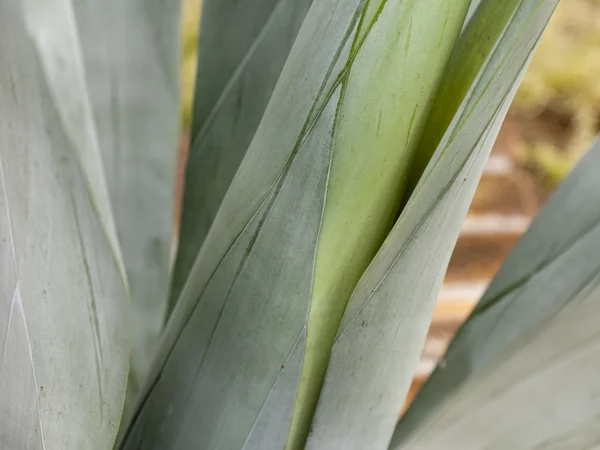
<point x="522" y="372"/>
<point x="131" y="57"/>
<point x="387" y="318"/>
<point x="63" y="331"/>
<point x="242" y="49"/>
<point x="241" y="318"/>
<point x="249" y="291"/>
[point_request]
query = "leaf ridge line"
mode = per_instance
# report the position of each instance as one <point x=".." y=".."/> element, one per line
<point x="235" y="76"/>
<point x="9" y="221"/>
<point x="19" y="304"/>
<point x="459" y="387"/>
<point x="92" y="312"/>
<point x="61" y="49"/>
<point x="262" y="408"/>
<point x="537" y="270"/>
<point x="10" y="315"/>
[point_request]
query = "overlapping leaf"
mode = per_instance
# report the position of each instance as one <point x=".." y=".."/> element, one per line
<point x="523" y="370"/>
<point x="385" y="324"/>
<point x="236" y="339"/>
<point x="251" y="244"/>
<point x="63" y="330"/>
<point x="242" y="49"/>
<point x="130" y="56"/>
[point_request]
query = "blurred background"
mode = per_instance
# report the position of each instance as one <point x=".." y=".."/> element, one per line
<point x="554" y="118"/>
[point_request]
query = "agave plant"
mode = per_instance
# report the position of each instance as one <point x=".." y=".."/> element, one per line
<point x="335" y="148"/>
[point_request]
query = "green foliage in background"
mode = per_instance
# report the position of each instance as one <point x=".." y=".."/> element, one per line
<point x="190" y="25"/>
<point x="335" y="147"/>
<point x="562" y="83"/>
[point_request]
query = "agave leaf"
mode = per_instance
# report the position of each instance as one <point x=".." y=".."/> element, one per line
<point x="397" y="60"/>
<point x="249" y="294"/>
<point x="522" y="372"/>
<point x="239" y="301"/>
<point x="242" y="49"/>
<point x="478" y="41"/>
<point x="130" y="55"/>
<point x="386" y="321"/>
<point x="472" y="8"/>
<point x="63" y="332"/>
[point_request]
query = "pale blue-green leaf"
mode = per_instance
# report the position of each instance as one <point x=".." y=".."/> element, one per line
<point x="253" y="310"/>
<point x="249" y="293"/>
<point x="242" y="49"/>
<point x="235" y="298"/>
<point x="130" y="54"/>
<point x="381" y="338"/>
<point x="472" y="8"/>
<point x="523" y="370"/>
<point x="52" y="28"/>
<point x="63" y="338"/>
<point x="272" y="425"/>
<point x="387" y="318"/>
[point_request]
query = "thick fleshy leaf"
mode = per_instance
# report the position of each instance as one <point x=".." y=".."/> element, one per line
<point x="384" y="327"/>
<point x="398" y="57"/>
<point x="249" y="293"/>
<point x="522" y="372"/>
<point x="242" y="49"/>
<point x="130" y="55"/>
<point x="251" y="286"/>
<point x="63" y="330"/>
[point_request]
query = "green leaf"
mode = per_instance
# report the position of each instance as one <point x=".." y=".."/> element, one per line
<point x="242" y="49"/>
<point x="386" y="321"/>
<point x="249" y="299"/>
<point x="522" y="372"/>
<point x="486" y="21"/>
<point x="249" y="292"/>
<point x="63" y="331"/>
<point x="388" y="84"/>
<point x="130" y="55"/>
<point x="250" y="289"/>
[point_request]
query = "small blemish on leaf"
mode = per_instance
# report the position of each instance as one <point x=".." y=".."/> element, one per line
<point x="409" y="34"/>
<point x="412" y="123"/>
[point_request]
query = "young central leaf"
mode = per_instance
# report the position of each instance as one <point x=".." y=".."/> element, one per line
<point x="397" y="57"/>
